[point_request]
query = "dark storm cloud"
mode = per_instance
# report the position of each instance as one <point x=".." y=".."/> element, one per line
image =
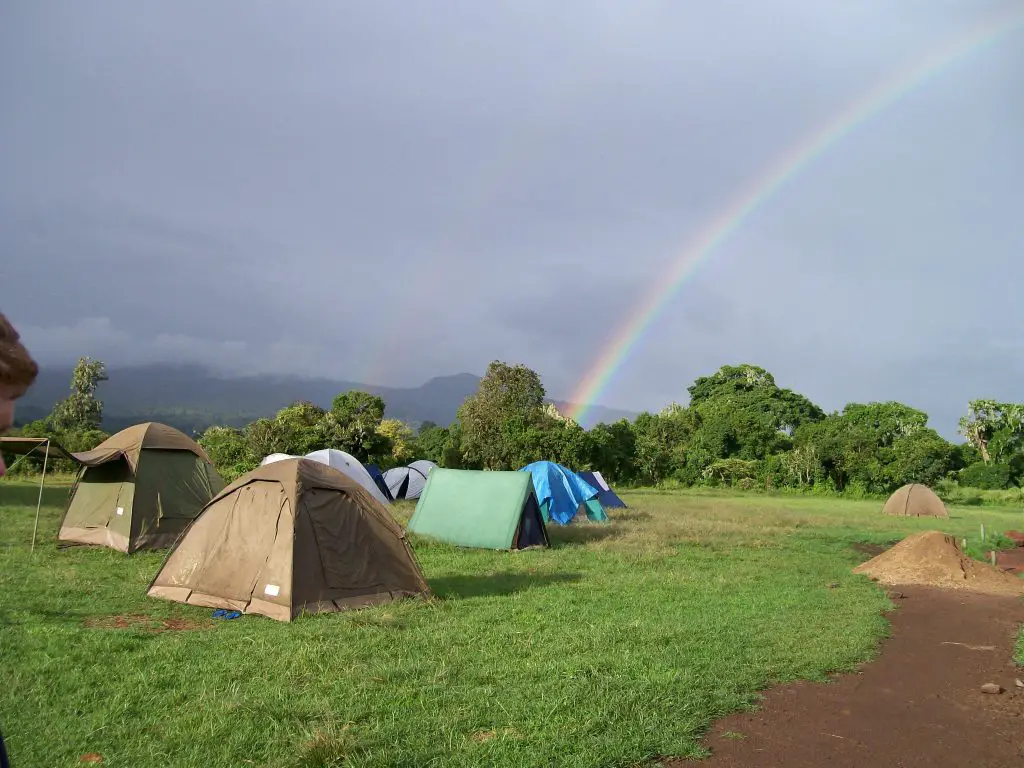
<point x="396" y="191"/>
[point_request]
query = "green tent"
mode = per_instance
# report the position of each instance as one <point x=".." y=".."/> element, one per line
<point x="139" y="489"/>
<point x="489" y="510"/>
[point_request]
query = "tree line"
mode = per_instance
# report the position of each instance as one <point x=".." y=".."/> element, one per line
<point x="739" y="429"/>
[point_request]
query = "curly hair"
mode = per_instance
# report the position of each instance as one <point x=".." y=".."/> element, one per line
<point x="17" y="368"/>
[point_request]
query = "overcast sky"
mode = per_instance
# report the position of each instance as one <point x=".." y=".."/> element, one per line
<point x="390" y="191"/>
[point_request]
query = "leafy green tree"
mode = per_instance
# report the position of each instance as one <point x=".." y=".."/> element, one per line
<point x="662" y="443"/>
<point x="742" y="413"/>
<point x="923" y="456"/>
<point x="430" y="442"/>
<point x="799" y="467"/>
<point x="878" y="447"/>
<point x="80" y="411"/>
<point x="508" y="403"/>
<point x="986" y="476"/>
<point x="264" y="437"/>
<point x="987" y="419"/>
<point x="888" y="422"/>
<point x="730" y="380"/>
<point x="301" y="428"/>
<point x="453" y="455"/>
<point x="228" y="450"/>
<point x="613" y="451"/>
<point x="352" y="425"/>
<point x="570" y="445"/>
<point x="749" y="386"/>
<point x="732" y="471"/>
<point x="844" y="452"/>
<point x="996" y="432"/>
<point x="401" y="439"/>
<point x="546" y="439"/>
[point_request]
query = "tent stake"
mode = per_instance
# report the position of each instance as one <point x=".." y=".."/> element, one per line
<point x="39" y="502"/>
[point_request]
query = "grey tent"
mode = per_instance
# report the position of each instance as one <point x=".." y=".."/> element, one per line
<point x="408" y="482"/>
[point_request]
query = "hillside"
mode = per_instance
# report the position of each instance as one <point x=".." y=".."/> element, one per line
<point x="191" y="398"/>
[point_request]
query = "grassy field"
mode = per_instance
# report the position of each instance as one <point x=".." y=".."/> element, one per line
<point x="620" y="643"/>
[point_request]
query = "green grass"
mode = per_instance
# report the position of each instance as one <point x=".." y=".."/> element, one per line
<point x="620" y="643"/>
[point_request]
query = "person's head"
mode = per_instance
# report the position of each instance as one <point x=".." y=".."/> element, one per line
<point x="17" y="372"/>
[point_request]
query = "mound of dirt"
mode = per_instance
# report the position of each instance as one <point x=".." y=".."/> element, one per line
<point x="934" y="559"/>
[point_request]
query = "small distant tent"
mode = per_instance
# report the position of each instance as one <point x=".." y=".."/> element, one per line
<point x="341" y="461"/>
<point x="562" y="493"/>
<point x="378" y="479"/>
<point x="138" y="489"/>
<point x="915" y="500"/>
<point x="488" y="510"/>
<point x="608" y="498"/>
<point x="293" y="536"/>
<point x="409" y="482"/>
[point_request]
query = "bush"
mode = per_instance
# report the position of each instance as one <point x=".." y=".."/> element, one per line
<point x="988" y="477"/>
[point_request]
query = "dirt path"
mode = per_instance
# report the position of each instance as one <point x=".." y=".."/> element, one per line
<point x="919" y="704"/>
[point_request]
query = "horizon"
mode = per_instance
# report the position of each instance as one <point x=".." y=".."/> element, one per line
<point x="949" y="432"/>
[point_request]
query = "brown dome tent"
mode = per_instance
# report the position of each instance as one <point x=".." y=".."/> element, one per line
<point x="294" y="536"/>
<point x="138" y="489"/>
<point x="915" y="500"/>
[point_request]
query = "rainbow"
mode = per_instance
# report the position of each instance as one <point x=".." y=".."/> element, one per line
<point x="761" y="189"/>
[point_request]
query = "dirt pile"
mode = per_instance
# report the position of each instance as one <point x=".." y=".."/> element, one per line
<point x="934" y="559"/>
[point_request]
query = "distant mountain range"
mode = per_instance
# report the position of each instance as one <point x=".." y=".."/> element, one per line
<point x="191" y="398"/>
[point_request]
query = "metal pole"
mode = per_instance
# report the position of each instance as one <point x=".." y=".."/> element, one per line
<point x="39" y="502"/>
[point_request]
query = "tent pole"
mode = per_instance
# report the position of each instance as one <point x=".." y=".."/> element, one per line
<point x="39" y="501"/>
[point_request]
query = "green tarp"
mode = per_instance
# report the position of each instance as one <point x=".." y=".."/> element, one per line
<point x="591" y="508"/>
<point x="487" y="510"/>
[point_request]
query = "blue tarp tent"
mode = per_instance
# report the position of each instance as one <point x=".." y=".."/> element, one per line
<point x="608" y="498"/>
<point x="561" y="493"/>
<point x="378" y="479"/>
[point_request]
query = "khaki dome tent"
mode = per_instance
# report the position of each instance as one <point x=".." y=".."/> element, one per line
<point x="341" y="461"/>
<point x="138" y="489"/>
<point x="915" y="501"/>
<point x="294" y="536"/>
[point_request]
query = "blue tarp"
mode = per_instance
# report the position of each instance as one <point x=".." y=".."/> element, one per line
<point x="561" y="488"/>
